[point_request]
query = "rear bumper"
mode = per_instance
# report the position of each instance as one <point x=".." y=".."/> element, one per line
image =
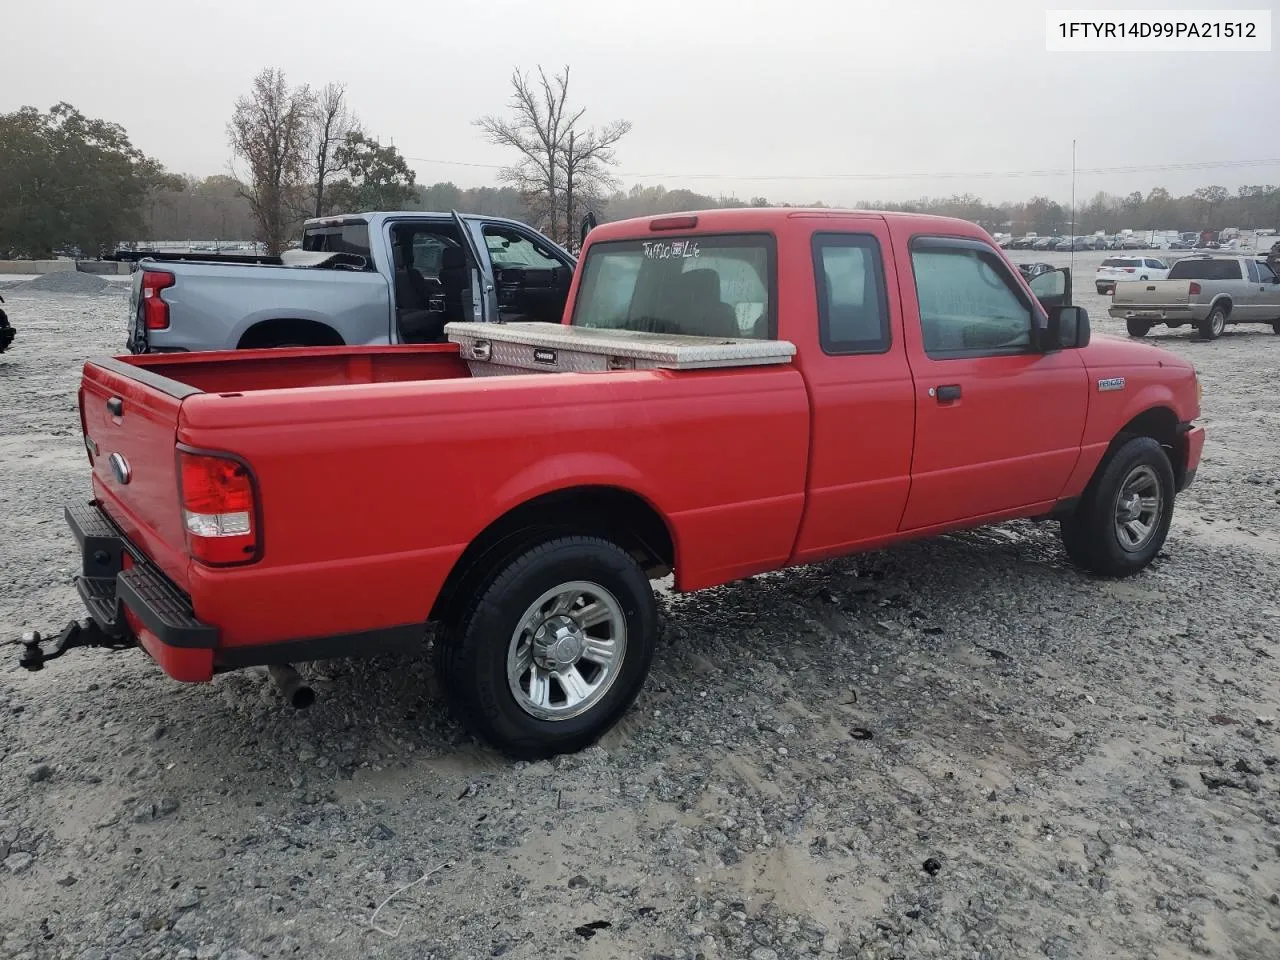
<point x="129" y="598"/>
<point x="1156" y="313"/>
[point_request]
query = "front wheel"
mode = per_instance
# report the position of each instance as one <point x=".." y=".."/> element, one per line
<point x="553" y="649"/>
<point x="1123" y="518"/>
<point x="1212" y="326"/>
<point x="1136" y="327"/>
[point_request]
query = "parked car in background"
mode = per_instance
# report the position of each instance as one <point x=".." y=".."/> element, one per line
<point x="1099" y="243"/>
<point x="1032" y="270"/>
<point x="1206" y="291"/>
<point x="372" y="278"/>
<point x="1115" y="269"/>
<point x="1045" y="243"/>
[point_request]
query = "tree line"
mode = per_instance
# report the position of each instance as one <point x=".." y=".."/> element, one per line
<point x="71" y="182"/>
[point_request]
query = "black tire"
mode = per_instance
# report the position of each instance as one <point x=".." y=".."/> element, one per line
<point x="279" y="334"/>
<point x="1103" y="289"/>
<point x="472" y="653"/>
<point x="1091" y="535"/>
<point x="1275" y="326"/>
<point x="1136" y="327"/>
<point x="1211" y="327"/>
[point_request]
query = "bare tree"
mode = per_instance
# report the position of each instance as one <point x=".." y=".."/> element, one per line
<point x="331" y="123"/>
<point x="559" y="162"/>
<point x="585" y="161"/>
<point x="268" y="130"/>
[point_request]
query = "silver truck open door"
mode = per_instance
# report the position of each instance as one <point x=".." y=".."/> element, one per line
<point x="484" y="293"/>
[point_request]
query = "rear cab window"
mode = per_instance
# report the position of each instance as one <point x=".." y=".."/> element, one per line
<point x="349" y="236"/>
<point x="853" y="310"/>
<point x="1192" y="269"/>
<point x="709" y="285"/>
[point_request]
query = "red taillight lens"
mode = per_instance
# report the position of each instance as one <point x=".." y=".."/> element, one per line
<point x="1129" y="269"/>
<point x="673" y="223"/>
<point x="1194" y="288"/>
<point x="154" y="310"/>
<point x="219" y="509"/>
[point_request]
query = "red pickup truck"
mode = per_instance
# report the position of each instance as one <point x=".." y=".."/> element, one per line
<point x="833" y="382"/>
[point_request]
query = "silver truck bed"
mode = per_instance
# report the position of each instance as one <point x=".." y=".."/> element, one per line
<point x="492" y="349"/>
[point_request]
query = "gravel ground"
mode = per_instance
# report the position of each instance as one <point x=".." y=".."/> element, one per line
<point x="958" y="748"/>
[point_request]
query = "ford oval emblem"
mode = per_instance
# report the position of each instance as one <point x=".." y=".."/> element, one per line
<point x="120" y="467"/>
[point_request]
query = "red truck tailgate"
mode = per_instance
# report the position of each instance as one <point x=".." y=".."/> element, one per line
<point x="131" y="429"/>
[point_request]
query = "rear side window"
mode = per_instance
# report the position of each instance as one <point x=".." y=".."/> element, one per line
<point x="1191" y="269"/>
<point x="710" y="286"/>
<point x="853" y="314"/>
<point x="1154" y="265"/>
<point x="351" y="237"/>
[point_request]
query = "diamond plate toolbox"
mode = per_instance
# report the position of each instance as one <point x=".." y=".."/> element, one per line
<point x="492" y="349"/>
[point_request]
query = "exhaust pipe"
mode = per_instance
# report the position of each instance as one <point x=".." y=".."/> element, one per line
<point x="294" y="688"/>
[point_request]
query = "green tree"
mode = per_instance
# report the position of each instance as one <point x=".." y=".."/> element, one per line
<point x="374" y="177"/>
<point x="67" y="180"/>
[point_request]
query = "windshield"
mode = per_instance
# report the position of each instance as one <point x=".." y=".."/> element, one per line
<point x="716" y="286"/>
<point x="1205" y="270"/>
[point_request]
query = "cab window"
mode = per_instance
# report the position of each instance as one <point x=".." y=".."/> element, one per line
<point x="968" y="303"/>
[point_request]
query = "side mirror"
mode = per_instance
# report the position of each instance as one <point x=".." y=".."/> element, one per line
<point x="1067" y="328"/>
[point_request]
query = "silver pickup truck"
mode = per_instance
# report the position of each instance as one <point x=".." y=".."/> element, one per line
<point x="372" y="278"/>
<point x="1207" y="291"/>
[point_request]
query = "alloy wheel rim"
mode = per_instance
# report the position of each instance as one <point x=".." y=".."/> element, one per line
<point x="566" y="651"/>
<point x="1138" y="508"/>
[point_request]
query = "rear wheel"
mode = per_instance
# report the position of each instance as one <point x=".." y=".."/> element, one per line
<point x="1136" y="327"/>
<point x="553" y="648"/>
<point x="275" y="334"/>
<point x="1123" y="518"/>
<point x="1211" y="327"/>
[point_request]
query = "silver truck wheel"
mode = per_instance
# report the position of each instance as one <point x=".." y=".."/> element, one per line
<point x="1213" y="325"/>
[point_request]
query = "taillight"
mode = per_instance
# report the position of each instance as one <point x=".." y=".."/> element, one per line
<point x="1129" y="269"/>
<point x="1194" y="288"/>
<point x="154" y="310"/>
<point x="219" y="509"/>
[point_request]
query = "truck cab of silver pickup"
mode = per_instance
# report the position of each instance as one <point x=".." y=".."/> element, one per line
<point x="364" y="279"/>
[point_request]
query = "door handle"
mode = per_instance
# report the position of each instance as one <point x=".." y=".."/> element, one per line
<point x="948" y="392"/>
<point x="115" y="407"/>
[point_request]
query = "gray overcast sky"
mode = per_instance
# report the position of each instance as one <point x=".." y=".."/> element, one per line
<point x="738" y="90"/>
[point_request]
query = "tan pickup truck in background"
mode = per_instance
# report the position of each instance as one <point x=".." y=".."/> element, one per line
<point x="1206" y="291"/>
